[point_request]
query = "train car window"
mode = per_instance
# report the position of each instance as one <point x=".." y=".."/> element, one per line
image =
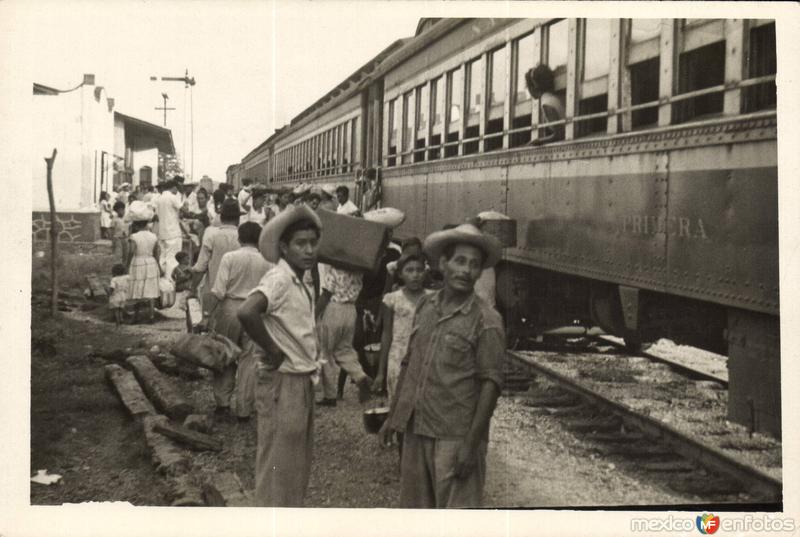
<point x="526" y="56"/>
<point x="345" y="147"/>
<point x="309" y="157"/>
<point x="332" y="151"/>
<point x="326" y="152"/>
<point x="421" y="123"/>
<point x="355" y="142"/>
<point x="408" y="126"/>
<point x="644" y="69"/>
<point x="337" y="150"/>
<point x="497" y="99"/>
<point x="594" y="89"/>
<point x="701" y="64"/>
<point x="437" y="117"/>
<point x="455" y="102"/>
<point x="345" y="158"/>
<point x="556" y="56"/>
<point x="644" y="30"/>
<point x="392" y="126"/>
<point x="472" y="127"/>
<point x="596" y="48"/>
<point x="762" y="62"/>
<point x="318" y="155"/>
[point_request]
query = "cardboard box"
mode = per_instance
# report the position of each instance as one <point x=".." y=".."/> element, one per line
<point x="351" y="243"/>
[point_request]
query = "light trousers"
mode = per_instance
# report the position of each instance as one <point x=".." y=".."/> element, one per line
<point x="426" y="474"/>
<point x="335" y="333"/>
<point x="285" y="408"/>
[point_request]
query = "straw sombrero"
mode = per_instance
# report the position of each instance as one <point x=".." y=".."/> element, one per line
<point x="271" y="234"/>
<point x="437" y="241"/>
<point x="388" y="216"/>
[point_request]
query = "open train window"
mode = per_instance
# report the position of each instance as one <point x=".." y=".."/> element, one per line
<point x="392" y="136"/>
<point x="337" y="149"/>
<point x="421" y="122"/>
<point x="345" y="147"/>
<point x="496" y="101"/>
<point x="355" y="142"/>
<point x="472" y="125"/>
<point x="701" y="64"/>
<point x="644" y="70"/>
<point x="437" y="117"/>
<point x="557" y="43"/>
<point x="526" y="56"/>
<point x="408" y="126"/>
<point x="594" y="86"/>
<point x="455" y="104"/>
<point x="761" y="62"/>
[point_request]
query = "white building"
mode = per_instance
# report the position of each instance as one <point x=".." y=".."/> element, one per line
<point x="90" y="138"/>
<point x="80" y="125"/>
<point x="137" y="145"/>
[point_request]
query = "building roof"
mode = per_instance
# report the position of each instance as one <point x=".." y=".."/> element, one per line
<point x="41" y="89"/>
<point x="162" y="135"/>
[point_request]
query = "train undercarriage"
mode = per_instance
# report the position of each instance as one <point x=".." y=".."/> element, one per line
<point x="534" y="301"/>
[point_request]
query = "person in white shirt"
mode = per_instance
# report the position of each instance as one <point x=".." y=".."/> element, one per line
<point x="345" y="205"/>
<point x="244" y="194"/>
<point x="258" y="211"/>
<point x="168" y="206"/>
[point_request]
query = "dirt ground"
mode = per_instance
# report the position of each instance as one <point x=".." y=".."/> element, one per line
<point x="79" y="429"/>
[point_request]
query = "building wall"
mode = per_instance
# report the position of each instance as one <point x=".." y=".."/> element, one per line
<point x="80" y="126"/>
<point x="145" y="156"/>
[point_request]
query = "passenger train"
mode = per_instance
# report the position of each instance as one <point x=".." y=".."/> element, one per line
<point x="655" y="216"/>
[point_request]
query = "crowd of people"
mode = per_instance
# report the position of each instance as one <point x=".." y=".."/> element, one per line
<point x="300" y="322"/>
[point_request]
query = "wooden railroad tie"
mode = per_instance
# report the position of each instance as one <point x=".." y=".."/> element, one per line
<point x="159" y="388"/>
<point x="192" y="439"/>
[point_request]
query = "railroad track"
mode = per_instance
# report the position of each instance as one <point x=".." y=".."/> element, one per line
<point x="668" y="417"/>
<point x="690" y="372"/>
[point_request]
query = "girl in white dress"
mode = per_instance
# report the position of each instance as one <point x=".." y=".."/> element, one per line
<point x="397" y="314"/>
<point x="144" y="268"/>
<point x="120" y="288"/>
<point x="105" y="215"/>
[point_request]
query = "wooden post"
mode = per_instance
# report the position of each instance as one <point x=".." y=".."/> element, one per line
<point x="668" y="66"/>
<point x="614" y="73"/>
<point x="736" y="55"/>
<point x="573" y="80"/>
<point x="53" y="236"/>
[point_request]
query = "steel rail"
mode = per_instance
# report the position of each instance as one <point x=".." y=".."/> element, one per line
<point x="753" y="479"/>
<point x="676" y="366"/>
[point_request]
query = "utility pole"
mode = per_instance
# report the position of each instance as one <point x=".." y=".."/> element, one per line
<point x="164" y="108"/>
<point x="188" y="84"/>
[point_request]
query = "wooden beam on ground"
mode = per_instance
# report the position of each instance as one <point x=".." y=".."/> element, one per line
<point x="97" y="289"/>
<point x="184" y="493"/>
<point x="159" y="388"/>
<point x="193" y="439"/>
<point x="168" y="458"/>
<point x="226" y="490"/>
<point x="129" y="391"/>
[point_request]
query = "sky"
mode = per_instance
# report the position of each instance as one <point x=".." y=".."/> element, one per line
<point x="256" y="64"/>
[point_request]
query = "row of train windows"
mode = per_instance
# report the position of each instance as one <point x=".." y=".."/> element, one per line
<point x="328" y="153"/>
<point x="426" y="122"/>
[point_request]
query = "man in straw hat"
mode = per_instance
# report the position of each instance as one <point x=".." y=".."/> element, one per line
<point x="450" y="378"/>
<point x="278" y="315"/>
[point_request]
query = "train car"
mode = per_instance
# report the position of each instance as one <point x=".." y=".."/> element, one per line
<point x="334" y="139"/>
<point x="655" y="216"/>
